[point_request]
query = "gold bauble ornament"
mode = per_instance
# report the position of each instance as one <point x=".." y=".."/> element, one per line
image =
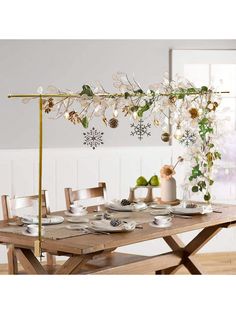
<point x="165" y="137"/>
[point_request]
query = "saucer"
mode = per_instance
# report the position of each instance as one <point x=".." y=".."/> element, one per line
<point x="78" y="219"/>
<point x="82" y="213"/>
<point x="152" y="224"/>
<point x="160" y="212"/>
<point x="26" y="233"/>
<point x="77" y="227"/>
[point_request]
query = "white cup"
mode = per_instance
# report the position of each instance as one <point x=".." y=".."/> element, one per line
<point x="162" y="220"/>
<point x="33" y="229"/>
<point x="76" y="209"/>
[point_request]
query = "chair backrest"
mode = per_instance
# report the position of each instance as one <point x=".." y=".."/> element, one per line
<point x="9" y="205"/>
<point x="85" y="194"/>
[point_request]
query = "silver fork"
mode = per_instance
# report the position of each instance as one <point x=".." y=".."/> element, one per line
<point x="181" y="216"/>
<point x="91" y="230"/>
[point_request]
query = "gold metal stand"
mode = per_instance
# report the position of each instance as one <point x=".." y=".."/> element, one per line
<point x="41" y="97"/>
<point x="38" y="242"/>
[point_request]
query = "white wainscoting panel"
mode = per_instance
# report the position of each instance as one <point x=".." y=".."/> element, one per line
<point x="119" y="167"/>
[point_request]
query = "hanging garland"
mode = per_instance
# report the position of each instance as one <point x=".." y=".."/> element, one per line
<point x="191" y="112"/>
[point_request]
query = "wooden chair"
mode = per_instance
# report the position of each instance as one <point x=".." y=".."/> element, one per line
<point x="9" y="205"/>
<point x="85" y="194"/>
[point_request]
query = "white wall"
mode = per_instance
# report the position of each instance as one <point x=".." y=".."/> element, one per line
<point x="118" y="167"/>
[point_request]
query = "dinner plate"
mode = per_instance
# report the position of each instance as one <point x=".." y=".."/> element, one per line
<point x="157" y="212"/>
<point x="78" y="219"/>
<point x="116" y="206"/>
<point x="200" y="210"/>
<point x="49" y="220"/>
<point x="82" y="213"/>
<point x="152" y="224"/>
<point x="106" y="226"/>
<point x="77" y="227"/>
<point x="159" y="206"/>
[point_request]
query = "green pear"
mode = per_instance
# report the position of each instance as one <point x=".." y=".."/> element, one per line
<point x="141" y="181"/>
<point x="154" y="181"/>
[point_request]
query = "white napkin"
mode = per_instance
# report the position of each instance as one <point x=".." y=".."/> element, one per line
<point x="104" y="225"/>
<point x="49" y="220"/>
<point x="115" y="204"/>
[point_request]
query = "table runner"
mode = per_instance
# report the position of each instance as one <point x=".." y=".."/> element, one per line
<point x="59" y="231"/>
<point x="54" y="232"/>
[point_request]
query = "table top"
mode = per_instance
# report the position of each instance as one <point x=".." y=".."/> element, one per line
<point x="90" y="243"/>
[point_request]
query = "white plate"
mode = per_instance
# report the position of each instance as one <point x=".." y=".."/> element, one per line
<point x="50" y="220"/>
<point x="82" y="213"/>
<point x="104" y="225"/>
<point x="157" y="212"/>
<point x="116" y="206"/>
<point x="200" y="210"/>
<point x="24" y="232"/>
<point x="77" y="227"/>
<point x="152" y="224"/>
<point x="159" y="206"/>
<point x="78" y="219"/>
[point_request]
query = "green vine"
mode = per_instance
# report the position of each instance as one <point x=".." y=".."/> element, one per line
<point x="210" y="154"/>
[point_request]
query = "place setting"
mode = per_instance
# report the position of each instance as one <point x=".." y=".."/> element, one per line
<point x="105" y="226"/>
<point x="126" y="206"/>
<point x="76" y="210"/>
<point x="33" y="230"/>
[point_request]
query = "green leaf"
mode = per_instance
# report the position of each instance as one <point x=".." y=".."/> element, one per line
<point x="142" y="109"/>
<point x="204" y="121"/>
<point x="217" y="155"/>
<point x="195" y="188"/>
<point x="126" y="95"/>
<point x="191" y="178"/>
<point x="138" y="91"/>
<point x="85" y="122"/>
<point x="191" y="90"/>
<point x="196" y="172"/>
<point x="202" y="184"/>
<point x="181" y="96"/>
<point x="86" y="91"/>
<point x="207" y="196"/>
<point x="211" y="182"/>
<point x="204" y="89"/>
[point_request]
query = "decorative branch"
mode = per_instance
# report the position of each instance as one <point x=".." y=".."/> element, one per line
<point x="191" y="114"/>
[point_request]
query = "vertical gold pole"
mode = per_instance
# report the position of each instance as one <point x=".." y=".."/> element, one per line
<point x="39" y="241"/>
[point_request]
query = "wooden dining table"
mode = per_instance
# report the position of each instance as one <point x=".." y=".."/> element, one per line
<point x="95" y="254"/>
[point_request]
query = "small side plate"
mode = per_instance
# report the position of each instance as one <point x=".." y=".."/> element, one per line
<point x="160" y="226"/>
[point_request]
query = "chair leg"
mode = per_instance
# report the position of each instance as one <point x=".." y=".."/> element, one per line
<point x="51" y="260"/>
<point x="12" y="260"/>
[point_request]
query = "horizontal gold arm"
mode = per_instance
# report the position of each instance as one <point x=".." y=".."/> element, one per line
<point x="78" y="95"/>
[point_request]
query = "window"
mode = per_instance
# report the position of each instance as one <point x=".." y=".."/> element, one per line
<point x="215" y="68"/>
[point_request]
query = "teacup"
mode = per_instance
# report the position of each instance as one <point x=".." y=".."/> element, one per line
<point x="76" y="209"/>
<point x="33" y="229"/>
<point x="162" y="220"/>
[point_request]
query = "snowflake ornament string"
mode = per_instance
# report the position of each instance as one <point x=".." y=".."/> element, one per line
<point x="93" y="138"/>
<point x="140" y="129"/>
<point x="188" y="138"/>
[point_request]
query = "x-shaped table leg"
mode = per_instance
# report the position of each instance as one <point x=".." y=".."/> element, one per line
<point x="72" y="266"/>
<point x="190" y="249"/>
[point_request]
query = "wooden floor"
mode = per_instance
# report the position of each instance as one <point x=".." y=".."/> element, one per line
<point x="213" y="264"/>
